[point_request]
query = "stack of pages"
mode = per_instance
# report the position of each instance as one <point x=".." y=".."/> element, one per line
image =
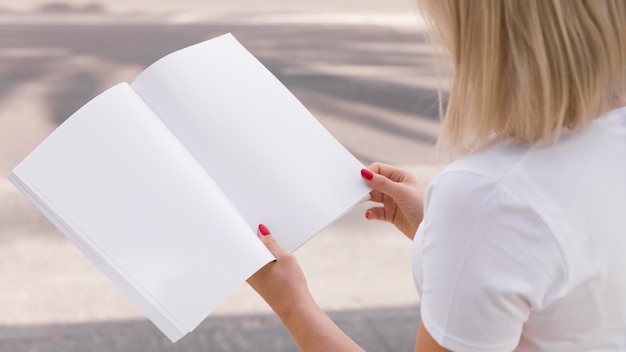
<point x="162" y="183"/>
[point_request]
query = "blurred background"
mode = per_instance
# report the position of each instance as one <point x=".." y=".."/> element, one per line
<point x="364" y="68"/>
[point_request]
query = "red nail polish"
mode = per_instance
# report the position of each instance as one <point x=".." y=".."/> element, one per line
<point x="367" y="174"/>
<point x="367" y="215"/>
<point x="264" y="230"/>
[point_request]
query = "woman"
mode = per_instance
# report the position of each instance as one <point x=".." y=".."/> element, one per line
<point x="520" y="244"/>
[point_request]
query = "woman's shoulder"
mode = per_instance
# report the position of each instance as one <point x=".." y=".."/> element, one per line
<point x="603" y="138"/>
<point x="489" y="165"/>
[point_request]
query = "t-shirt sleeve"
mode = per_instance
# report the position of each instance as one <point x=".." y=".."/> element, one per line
<point x="487" y="261"/>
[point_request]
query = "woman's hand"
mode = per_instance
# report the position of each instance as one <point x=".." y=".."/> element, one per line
<point x="281" y="283"/>
<point x="283" y="286"/>
<point x="401" y="195"/>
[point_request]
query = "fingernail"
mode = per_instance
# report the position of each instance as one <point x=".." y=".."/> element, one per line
<point x="263" y="229"/>
<point x="367" y="215"/>
<point x="367" y="174"/>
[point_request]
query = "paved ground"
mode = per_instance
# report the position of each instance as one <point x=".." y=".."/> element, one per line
<point x="165" y="7"/>
<point x="364" y="70"/>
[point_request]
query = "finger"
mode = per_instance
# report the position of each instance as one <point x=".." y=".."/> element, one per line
<point x="375" y="213"/>
<point x="270" y="242"/>
<point x="381" y="183"/>
<point x="376" y="196"/>
<point x="391" y="172"/>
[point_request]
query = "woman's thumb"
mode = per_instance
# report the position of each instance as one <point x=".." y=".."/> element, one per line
<point x="270" y="241"/>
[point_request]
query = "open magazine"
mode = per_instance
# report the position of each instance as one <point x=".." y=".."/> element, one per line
<point x="162" y="183"/>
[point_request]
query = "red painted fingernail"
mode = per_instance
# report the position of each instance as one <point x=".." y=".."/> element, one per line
<point x="367" y="174"/>
<point x="367" y="215"/>
<point x="264" y="230"/>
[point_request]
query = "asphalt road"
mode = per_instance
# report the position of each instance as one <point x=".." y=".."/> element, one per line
<point x="364" y="70"/>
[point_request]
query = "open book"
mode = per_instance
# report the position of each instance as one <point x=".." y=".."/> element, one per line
<point x="162" y="183"/>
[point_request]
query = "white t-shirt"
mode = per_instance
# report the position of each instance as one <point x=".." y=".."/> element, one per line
<point x="528" y="246"/>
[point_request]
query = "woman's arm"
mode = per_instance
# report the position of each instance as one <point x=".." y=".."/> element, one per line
<point x="426" y="343"/>
<point x="313" y="330"/>
<point x="283" y="286"/>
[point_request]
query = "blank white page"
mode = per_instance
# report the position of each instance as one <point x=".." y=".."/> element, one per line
<point x="128" y="194"/>
<point x="264" y="149"/>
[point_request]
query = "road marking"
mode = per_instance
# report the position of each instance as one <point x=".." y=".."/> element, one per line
<point x="399" y="19"/>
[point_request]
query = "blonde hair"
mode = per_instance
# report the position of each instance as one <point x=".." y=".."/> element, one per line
<point x="526" y="69"/>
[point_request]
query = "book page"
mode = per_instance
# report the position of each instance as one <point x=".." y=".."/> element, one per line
<point x="264" y="149"/>
<point x="129" y="195"/>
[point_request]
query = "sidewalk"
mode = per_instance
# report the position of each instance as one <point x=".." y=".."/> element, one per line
<point x="385" y="330"/>
<point x="366" y="76"/>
